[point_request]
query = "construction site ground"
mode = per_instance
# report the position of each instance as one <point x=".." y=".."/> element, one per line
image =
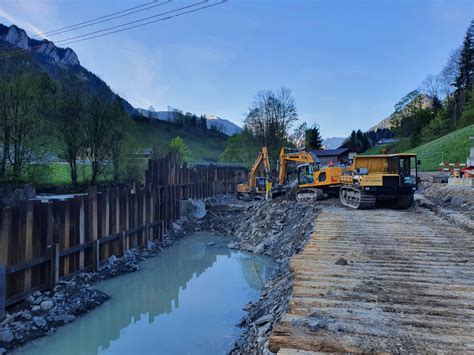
<point x="381" y="281"/>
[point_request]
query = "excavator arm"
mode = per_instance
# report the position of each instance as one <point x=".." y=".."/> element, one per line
<point x="262" y="158"/>
<point x="289" y="155"/>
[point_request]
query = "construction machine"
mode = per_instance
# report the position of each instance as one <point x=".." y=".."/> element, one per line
<point x="257" y="185"/>
<point x="314" y="181"/>
<point x="372" y="178"/>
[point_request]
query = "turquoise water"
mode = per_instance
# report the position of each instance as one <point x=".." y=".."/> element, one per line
<point x="187" y="300"/>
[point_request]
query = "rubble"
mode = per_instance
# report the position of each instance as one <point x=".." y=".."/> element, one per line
<point x="453" y="203"/>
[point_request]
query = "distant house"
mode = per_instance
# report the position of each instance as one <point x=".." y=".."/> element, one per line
<point x="335" y="156"/>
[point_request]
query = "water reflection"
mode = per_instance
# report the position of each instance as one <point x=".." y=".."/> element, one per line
<point x="185" y="301"/>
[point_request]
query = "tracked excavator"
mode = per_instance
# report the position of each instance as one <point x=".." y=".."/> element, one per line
<point x="372" y="178"/>
<point x="257" y="185"/>
<point x="314" y="182"/>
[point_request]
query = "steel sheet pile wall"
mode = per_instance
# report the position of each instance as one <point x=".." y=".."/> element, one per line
<point x="43" y="241"/>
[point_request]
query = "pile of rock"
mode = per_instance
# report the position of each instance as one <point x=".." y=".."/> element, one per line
<point x="42" y="312"/>
<point x="454" y="203"/>
<point x="276" y="228"/>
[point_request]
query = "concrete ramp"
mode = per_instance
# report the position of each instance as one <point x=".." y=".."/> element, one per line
<point x="381" y="281"/>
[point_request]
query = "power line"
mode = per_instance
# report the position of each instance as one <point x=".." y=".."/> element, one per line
<point x="150" y="22"/>
<point x="109" y="18"/>
<point x="112" y="29"/>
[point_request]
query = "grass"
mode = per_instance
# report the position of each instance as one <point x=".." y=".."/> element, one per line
<point x="204" y="146"/>
<point x="451" y="148"/>
<point x="392" y="148"/>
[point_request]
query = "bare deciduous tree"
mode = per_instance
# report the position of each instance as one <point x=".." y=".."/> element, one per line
<point x="270" y="118"/>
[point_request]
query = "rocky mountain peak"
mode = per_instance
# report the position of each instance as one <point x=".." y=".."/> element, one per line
<point x="17" y="37"/>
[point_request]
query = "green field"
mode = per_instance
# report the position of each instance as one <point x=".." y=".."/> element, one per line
<point x="204" y="146"/>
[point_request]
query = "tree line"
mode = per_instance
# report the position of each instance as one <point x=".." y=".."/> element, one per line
<point x="37" y="113"/>
<point x="443" y="103"/>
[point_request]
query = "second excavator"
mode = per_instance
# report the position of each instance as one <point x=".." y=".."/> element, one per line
<point x="257" y="186"/>
<point x="314" y="181"/>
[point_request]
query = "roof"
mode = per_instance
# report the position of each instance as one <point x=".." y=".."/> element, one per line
<point x="330" y="152"/>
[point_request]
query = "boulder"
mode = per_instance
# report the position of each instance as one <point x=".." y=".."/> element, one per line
<point x="46" y="305"/>
<point x="40" y="322"/>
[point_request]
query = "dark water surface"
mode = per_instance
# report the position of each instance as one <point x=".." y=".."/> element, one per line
<point x="187" y="300"/>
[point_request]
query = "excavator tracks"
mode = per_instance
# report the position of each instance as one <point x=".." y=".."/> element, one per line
<point x="381" y="281"/>
<point x="355" y="198"/>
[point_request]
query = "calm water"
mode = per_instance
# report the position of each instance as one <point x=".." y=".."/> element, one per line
<point x="187" y="300"/>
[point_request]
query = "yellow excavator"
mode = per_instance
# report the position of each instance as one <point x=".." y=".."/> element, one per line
<point x="257" y="185"/>
<point x="314" y="182"/>
<point x="372" y="178"/>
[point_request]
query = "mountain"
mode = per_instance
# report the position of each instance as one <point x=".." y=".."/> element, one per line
<point x="333" y="142"/>
<point x="221" y="124"/>
<point x="54" y="60"/>
<point x="385" y="123"/>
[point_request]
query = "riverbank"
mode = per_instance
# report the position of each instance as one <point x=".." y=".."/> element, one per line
<point x="278" y="229"/>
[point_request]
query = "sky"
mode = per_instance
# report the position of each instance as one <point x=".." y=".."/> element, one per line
<point x="346" y="62"/>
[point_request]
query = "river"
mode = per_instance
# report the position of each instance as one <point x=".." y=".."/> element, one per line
<point x="186" y="300"/>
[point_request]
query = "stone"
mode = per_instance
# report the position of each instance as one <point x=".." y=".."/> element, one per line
<point x="232" y="245"/>
<point x="112" y="259"/>
<point x="46" y="305"/>
<point x="25" y="315"/>
<point x="210" y="244"/>
<point x="3" y="351"/>
<point x="341" y="261"/>
<point x="40" y="322"/>
<point x="259" y="249"/>
<point x="6" y="336"/>
<point x="264" y="319"/>
<point x="262" y="330"/>
<point x="64" y="318"/>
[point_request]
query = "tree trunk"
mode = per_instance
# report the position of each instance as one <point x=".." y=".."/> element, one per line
<point x="73" y="169"/>
<point x="6" y="152"/>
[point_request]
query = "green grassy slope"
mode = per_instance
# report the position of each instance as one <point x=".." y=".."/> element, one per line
<point x="204" y="146"/>
<point x="452" y="148"/>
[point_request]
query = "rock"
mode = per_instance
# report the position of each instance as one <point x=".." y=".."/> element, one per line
<point x="46" y="305"/>
<point x="6" y="336"/>
<point x="112" y="259"/>
<point x="177" y="228"/>
<point x="341" y="261"/>
<point x="259" y="249"/>
<point x="232" y="245"/>
<point x="64" y="318"/>
<point x="40" y="322"/>
<point x="2" y="351"/>
<point x="210" y="244"/>
<point x="262" y="330"/>
<point x="25" y="315"/>
<point x="264" y="319"/>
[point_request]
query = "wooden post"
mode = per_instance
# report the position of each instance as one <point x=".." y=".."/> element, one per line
<point x="5" y="235"/>
<point x="82" y="232"/>
<point x="67" y="236"/>
<point x="122" y="243"/>
<point x="28" y="252"/>
<point x="95" y="254"/>
<point x="54" y="269"/>
<point x="3" y="290"/>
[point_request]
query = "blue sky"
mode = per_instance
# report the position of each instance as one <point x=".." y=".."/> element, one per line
<point x="347" y="62"/>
